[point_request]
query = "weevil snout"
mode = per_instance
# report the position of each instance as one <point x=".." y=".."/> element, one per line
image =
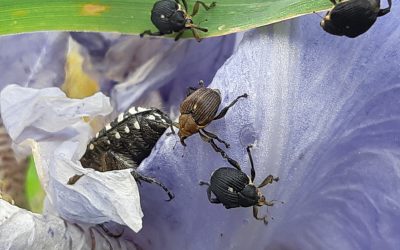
<point x="187" y="126"/>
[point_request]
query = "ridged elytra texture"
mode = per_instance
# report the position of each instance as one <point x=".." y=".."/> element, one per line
<point x="202" y="104"/>
<point x="168" y="9"/>
<point x="224" y="179"/>
<point x="353" y="18"/>
<point x="126" y="141"/>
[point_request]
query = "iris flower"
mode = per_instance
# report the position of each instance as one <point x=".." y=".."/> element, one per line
<point x="322" y="114"/>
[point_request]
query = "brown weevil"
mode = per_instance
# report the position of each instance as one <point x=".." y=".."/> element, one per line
<point x="233" y="188"/>
<point x="168" y="16"/>
<point x="126" y="142"/>
<point x="199" y="109"/>
<point x="352" y="18"/>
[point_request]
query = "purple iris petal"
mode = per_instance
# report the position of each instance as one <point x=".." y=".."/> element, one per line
<point x="33" y="60"/>
<point x="323" y="115"/>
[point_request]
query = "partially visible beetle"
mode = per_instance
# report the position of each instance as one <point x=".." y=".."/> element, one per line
<point x="168" y="16"/>
<point x="126" y="142"/>
<point x="199" y="109"/>
<point x="233" y="188"/>
<point x="352" y="18"/>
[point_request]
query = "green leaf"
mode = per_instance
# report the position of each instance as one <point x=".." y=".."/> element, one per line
<point x="33" y="189"/>
<point x="133" y="16"/>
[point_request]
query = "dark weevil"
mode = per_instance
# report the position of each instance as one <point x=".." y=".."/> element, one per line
<point x="126" y="142"/>
<point x="233" y="188"/>
<point x="168" y="16"/>
<point x="352" y="18"/>
<point x="199" y="109"/>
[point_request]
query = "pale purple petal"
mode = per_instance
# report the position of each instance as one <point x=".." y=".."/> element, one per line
<point x="173" y="69"/>
<point x="33" y="60"/>
<point x="323" y="113"/>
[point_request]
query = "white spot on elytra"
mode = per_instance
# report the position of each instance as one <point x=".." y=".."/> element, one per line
<point x="108" y="126"/>
<point x="91" y="146"/>
<point x="120" y="117"/>
<point x="230" y="189"/>
<point x="135" y="110"/>
<point x="151" y="117"/>
<point x="136" y="125"/>
<point x="162" y="16"/>
<point x="108" y="142"/>
<point x="132" y="111"/>
<point x="157" y="114"/>
<point x="163" y="120"/>
<point x="117" y="135"/>
<point x="140" y="109"/>
<point x="127" y="129"/>
<point x="97" y="134"/>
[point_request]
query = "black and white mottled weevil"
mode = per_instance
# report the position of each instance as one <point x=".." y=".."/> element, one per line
<point x="126" y="142"/>
<point x="352" y="18"/>
<point x="233" y="188"/>
<point x="199" y="109"/>
<point x="168" y="16"/>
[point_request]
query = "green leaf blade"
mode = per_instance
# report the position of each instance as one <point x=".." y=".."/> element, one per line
<point x="133" y="16"/>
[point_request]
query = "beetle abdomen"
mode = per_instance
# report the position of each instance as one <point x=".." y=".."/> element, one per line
<point x="202" y="104"/>
<point x="132" y="135"/>
<point x="226" y="183"/>
<point x="353" y="18"/>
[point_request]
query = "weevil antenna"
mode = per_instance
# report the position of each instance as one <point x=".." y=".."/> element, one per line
<point x="318" y="14"/>
<point x="253" y="172"/>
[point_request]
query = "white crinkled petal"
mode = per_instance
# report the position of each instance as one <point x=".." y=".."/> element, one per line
<point x="52" y="126"/>
<point x="21" y="229"/>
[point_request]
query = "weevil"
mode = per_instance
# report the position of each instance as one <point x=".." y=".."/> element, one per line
<point x="233" y="188"/>
<point x="198" y="110"/>
<point x="352" y="18"/>
<point x="126" y="142"/>
<point x="168" y="17"/>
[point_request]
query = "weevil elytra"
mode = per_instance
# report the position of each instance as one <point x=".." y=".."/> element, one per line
<point x="198" y="110"/>
<point x="168" y="16"/>
<point x="126" y="142"/>
<point x="233" y="188"/>
<point x="352" y="18"/>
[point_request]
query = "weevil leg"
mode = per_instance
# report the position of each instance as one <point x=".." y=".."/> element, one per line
<point x="179" y="35"/>
<point x="105" y="229"/>
<point x="224" y="110"/>
<point x="219" y="150"/>
<point x="183" y="140"/>
<point x="212" y="200"/>
<point x="255" y="215"/>
<point x="196" y="35"/>
<point x="147" y="179"/>
<point x="270" y="179"/>
<point x="213" y="136"/>
<point x="253" y="172"/>
<point x="74" y="179"/>
<point x="383" y="12"/>
<point x="184" y="4"/>
<point x="197" y="6"/>
<point x="148" y="32"/>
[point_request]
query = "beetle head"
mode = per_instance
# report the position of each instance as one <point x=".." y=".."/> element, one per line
<point x="178" y="20"/>
<point x="187" y="126"/>
<point x="328" y="25"/>
<point x="249" y="196"/>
